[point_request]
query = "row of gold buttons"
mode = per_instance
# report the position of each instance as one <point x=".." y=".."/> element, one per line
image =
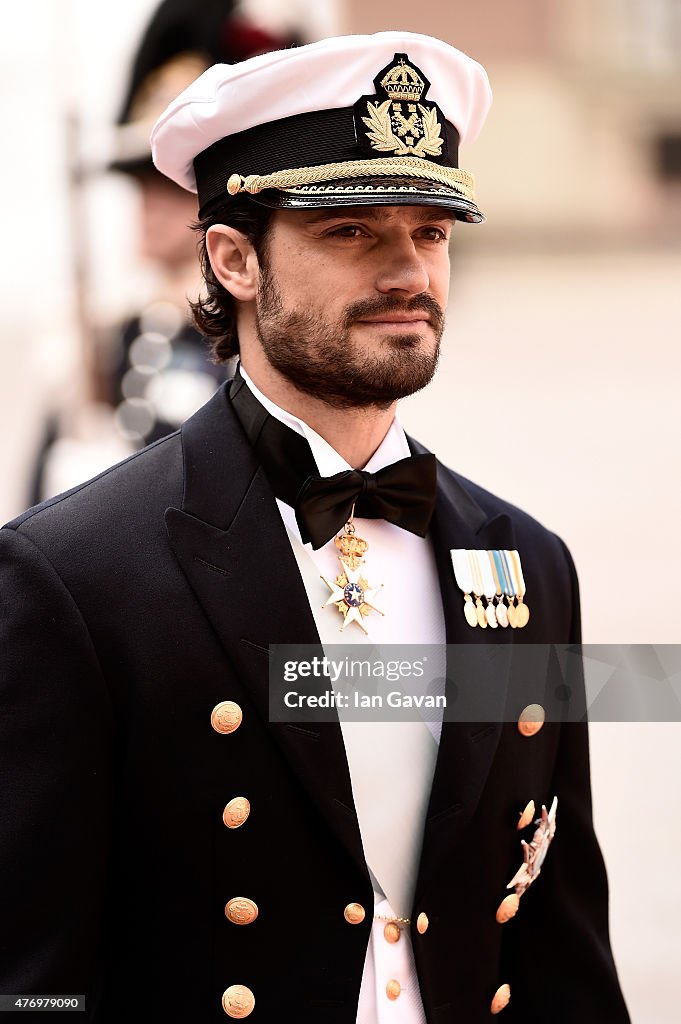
<point x="508" y="907"/>
<point x="530" y="721"/>
<point x="355" y="913"/>
<point x="238" y="1001"/>
<point x="227" y="716"/>
<point x="393" y="931"/>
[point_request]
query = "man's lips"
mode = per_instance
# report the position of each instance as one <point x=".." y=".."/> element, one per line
<point x="396" y="318"/>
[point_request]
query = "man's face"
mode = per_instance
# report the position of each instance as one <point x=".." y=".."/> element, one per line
<point x="350" y="304"/>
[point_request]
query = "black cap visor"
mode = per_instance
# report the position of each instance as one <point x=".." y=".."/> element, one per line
<point x="374" y="191"/>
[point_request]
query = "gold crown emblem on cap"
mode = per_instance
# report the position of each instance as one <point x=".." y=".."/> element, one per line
<point x="395" y="120"/>
<point x="403" y="82"/>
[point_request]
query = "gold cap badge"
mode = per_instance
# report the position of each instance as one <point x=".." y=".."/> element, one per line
<point x="395" y="120"/>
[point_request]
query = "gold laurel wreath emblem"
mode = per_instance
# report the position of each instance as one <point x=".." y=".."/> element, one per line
<point x="383" y="139"/>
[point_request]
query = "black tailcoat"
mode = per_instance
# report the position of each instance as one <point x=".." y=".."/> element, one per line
<point x="133" y="604"/>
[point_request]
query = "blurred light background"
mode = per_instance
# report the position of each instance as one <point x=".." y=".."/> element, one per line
<point x="559" y="382"/>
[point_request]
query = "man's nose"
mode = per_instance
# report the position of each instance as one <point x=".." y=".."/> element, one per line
<point x="401" y="268"/>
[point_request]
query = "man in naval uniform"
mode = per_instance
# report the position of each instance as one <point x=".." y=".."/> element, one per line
<point x="167" y="850"/>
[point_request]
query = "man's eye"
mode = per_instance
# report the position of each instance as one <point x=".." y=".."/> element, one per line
<point x="348" y="231"/>
<point x="434" y="234"/>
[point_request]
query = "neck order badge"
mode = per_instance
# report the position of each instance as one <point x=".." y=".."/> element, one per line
<point x="351" y="593"/>
<point x="496" y="576"/>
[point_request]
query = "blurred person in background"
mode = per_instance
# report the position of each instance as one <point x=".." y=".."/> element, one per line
<point x="152" y="370"/>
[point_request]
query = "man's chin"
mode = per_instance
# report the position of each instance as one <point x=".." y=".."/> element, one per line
<point x="412" y="342"/>
<point x="393" y="382"/>
<point x="367" y="390"/>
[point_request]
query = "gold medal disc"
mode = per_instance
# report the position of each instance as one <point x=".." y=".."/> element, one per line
<point x="469" y="611"/>
<point x="522" y="615"/>
<point x="512" y="615"/>
<point x="480" y="612"/>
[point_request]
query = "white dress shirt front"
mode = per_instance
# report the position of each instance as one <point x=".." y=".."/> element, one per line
<point x="391" y="764"/>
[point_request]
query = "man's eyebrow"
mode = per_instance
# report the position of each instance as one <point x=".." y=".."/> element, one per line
<point x="338" y="212"/>
<point x="371" y="213"/>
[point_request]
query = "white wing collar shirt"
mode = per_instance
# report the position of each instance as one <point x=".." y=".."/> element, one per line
<point x="391" y="764"/>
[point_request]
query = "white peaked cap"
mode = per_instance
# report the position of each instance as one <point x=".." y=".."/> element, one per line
<point x="322" y="105"/>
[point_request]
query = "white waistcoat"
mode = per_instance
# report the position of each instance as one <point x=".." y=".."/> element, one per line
<point x="391" y="764"/>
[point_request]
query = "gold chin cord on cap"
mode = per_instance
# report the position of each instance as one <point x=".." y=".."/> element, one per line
<point x="404" y="167"/>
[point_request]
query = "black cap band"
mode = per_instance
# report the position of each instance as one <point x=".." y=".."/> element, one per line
<point x="304" y="140"/>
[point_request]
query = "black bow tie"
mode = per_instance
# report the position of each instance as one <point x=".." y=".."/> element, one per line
<point x="402" y="493"/>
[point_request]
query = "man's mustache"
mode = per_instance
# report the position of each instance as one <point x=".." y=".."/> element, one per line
<point x="385" y="304"/>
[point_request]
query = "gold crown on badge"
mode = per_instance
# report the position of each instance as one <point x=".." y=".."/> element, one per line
<point x="403" y="82"/>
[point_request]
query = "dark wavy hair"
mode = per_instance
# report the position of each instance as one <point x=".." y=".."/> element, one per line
<point x="214" y="313"/>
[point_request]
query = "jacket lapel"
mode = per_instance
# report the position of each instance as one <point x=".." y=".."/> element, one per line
<point x="233" y="548"/>
<point x="467" y="748"/>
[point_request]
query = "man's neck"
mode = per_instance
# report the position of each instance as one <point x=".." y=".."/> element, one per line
<point x="354" y="433"/>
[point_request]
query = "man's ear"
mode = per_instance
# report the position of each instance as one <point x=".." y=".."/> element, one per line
<point x="233" y="260"/>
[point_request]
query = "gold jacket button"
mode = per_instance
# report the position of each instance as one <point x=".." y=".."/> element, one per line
<point x="392" y="932"/>
<point x="238" y="1001"/>
<point x="354" y="913"/>
<point x="527" y="815"/>
<point x="531" y="720"/>
<point x="226" y="717"/>
<point x="236" y="812"/>
<point x="422" y="923"/>
<point x="393" y="989"/>
<point x="508" y="908"/>
<point x="501" y="998"/>
<point x="241" y="910"/>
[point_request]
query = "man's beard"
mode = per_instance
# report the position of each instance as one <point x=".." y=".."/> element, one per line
<point x="318" y="358"/>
